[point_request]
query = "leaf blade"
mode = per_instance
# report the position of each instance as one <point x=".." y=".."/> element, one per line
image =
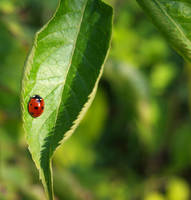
<point x="173" y="20"/>
<point x="78" y="51"/>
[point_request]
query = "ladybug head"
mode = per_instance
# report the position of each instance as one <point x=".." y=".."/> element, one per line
<point x="36" y="97"/>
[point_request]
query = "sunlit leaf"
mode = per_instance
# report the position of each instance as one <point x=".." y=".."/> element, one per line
<point x="64" y="67"/>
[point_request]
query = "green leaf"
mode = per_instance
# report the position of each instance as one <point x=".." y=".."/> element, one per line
<point x="173" y="18"/>
<point x="64" y="67"/>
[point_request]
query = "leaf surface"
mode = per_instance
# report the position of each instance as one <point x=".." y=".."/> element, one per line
<point x="173" y="18"/>
<point x="64" y="68"/>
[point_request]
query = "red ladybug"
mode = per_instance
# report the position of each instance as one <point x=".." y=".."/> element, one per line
<point x="36" y="106"/>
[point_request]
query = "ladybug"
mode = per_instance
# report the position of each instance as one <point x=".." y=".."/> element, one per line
<point x="36" y="106"/>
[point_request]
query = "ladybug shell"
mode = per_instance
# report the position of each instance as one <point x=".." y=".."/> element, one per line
<point x="36" y="106"/>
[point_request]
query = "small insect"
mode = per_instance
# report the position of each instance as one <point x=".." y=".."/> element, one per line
<point x="36" y="106"/>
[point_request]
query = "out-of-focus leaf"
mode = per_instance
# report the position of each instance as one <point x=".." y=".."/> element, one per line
<point x="12" y="59"/>
<point x="180" y="148"/>
<point x="162" y="75"/>
<point x="154" y="196"/>
<point x="133" y="93"/>
<point x="127" y="81"/>
<point x="178" y="189"/>
<point x="7" y="6"/>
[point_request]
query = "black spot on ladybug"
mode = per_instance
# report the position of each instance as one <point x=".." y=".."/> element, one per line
<point x="31" y="104"/>
<point x="42" y="108"/>
<point x="36" y="107"/>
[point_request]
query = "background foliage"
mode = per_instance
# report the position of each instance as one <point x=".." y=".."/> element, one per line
<point x="135" y="140"/>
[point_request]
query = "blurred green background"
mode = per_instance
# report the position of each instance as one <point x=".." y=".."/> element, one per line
<point x="135" y="141"/>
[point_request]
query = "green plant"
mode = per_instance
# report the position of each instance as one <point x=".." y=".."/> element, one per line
<point x="64" y="67"/>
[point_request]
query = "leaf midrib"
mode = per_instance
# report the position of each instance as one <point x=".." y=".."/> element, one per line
<point x="57" y="111"/>
<point x="70" y="63"/>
